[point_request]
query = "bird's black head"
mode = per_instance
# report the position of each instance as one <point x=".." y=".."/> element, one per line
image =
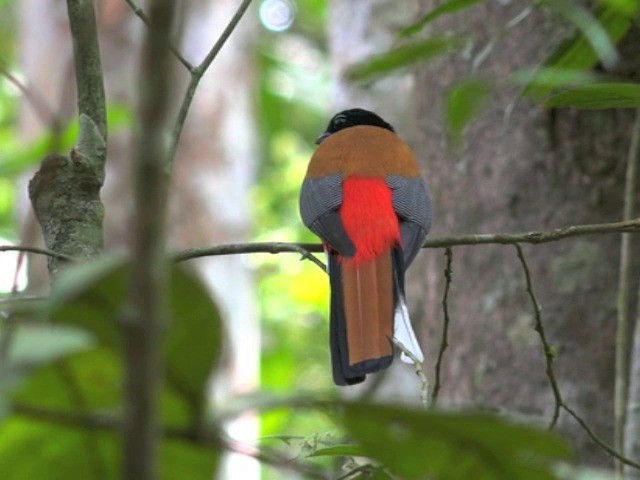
<point x="351" y="118"/>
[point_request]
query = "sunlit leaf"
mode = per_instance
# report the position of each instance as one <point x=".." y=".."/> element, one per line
<point x="447" y="7"/>
<point x="627" y="7"/>
<point x="417" y="444"/>
<point x="553" y="77"/>
<point x="402" y="56"/>
<point x="462" y="103"/>
<point x="601" y="95"/>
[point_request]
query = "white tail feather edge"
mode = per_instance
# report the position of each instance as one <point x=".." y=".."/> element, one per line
<point x="403" y="332"/>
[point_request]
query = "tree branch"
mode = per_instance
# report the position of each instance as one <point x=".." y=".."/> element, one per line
<point x="549" y="354"/>
<point x="143" y="16"/>
<point x="548" y="350"/>
<point x="625" y="323"/>
<point x="65" y="191"/>
<point x="196" y="75"/>
<point x="444" y="343"/>
<point x="146" y="321"/>
<point x="39" y="251"/>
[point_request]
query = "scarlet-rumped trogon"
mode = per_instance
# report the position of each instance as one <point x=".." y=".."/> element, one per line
<point x="364" y="197"/>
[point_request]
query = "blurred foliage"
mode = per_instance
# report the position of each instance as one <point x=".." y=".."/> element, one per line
<point x="69" y="363"/>
<point x="64" y="355"/>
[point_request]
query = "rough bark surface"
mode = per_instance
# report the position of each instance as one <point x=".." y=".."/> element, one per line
<point x="65" y="194"/>
<point x="539" y="169"/>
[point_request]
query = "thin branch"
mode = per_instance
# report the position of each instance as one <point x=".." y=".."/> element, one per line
<point x="43" y="111"/>
<point x="143" y="16"/>
<point x="548" y="350"/>
<point x="598" y="441"/>
<point x="145" y="323"/>
<point x="86" y="53"/>
<point x="625" y="324"/>
<point x="445" y="328"/>
<point x="196" y="75"/>
<point x="257" y="247"/>
<point x="535" y="237"/>
<point x="39" y="251"/>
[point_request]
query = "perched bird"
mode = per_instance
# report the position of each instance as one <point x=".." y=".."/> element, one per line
<point x="364" y="197"/>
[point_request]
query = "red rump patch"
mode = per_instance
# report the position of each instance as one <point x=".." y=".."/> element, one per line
<point x="368" y="217"/>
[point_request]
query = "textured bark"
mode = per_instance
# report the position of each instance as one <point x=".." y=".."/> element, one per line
<point x="65" y="191"/>
<point x="538" y="170"/>
<point x="632" y="430"/>
<point x="65" y="194"/>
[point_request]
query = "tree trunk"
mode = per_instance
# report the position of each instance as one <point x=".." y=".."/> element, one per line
<point x="535" y="169"/>
<point x="539" y="169"/>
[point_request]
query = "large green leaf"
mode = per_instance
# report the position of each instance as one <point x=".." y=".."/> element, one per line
<point x="92" y="296"/>
<point x="600" y="95"/>
<point x="577" y="53"/>
<point x="31" y="449"/>
<point x="590" y="28"/>
<point x="402" y="56"/>
<point x="447" y="7"/>
<point x="417" y="444"/>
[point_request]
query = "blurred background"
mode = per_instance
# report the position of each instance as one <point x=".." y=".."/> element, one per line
<point x="496" y="159"/>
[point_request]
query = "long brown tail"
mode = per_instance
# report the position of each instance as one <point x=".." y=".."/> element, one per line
<point x="362" y="305"/>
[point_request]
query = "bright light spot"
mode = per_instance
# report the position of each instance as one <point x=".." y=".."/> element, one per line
<point x="277" y="15"/>
<point x="8" y="262"/>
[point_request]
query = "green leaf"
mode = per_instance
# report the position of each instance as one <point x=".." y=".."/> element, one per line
<point x="447" y="7"/>
<point x="596" y="96"/>
<point x="553" y="77"/>
<point x="65" y="453"/>
<point x="194" y="341"/>
<point x="402" y="56"/>
<point x="346" y="450"/>
<point x="92" y="296"/>
<point x="462" y="103"/>
<point x="626" y="7"/>
<point x="592" y="31"/>
<point x="577" y="53"/>
<point x="416" y="444"/>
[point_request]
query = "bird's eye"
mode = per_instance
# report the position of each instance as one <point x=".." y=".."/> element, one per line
<point x="339" y="120"/>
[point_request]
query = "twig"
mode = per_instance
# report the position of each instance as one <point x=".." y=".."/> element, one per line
<point x="548" y="350"/>
<point x="196" y="75"/>
<point x="39" y="251"/>
<point x="145" y="324"/>
<point x="445" y="328"/>
<point x="43" y="111"/>
<point x="424" y="389"/>
<point x="624" y="324"/>
<point x="549" y="354"/>
<point x="143" y="16"/>
<point x="598" y="441"/>
<point x="534" y="237"/>
<point x="257" y="247"/>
